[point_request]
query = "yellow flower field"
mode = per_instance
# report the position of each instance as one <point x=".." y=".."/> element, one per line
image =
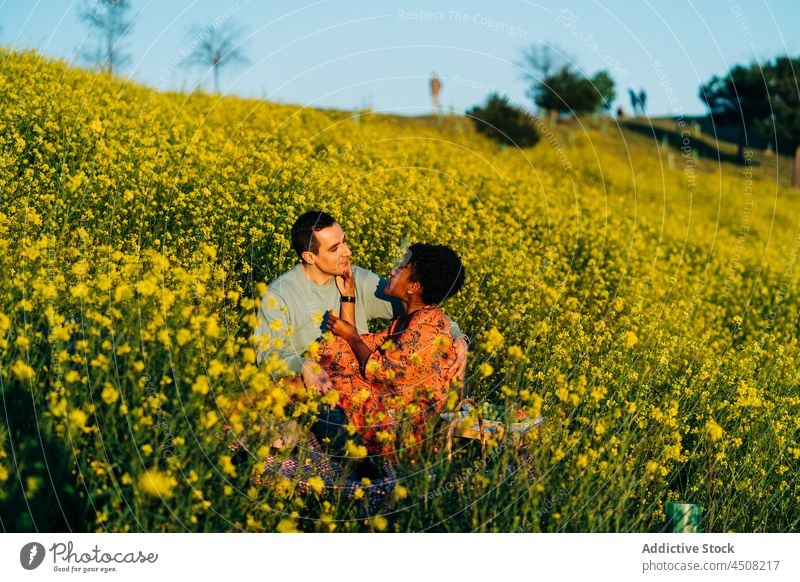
<point x="644" y="301"/>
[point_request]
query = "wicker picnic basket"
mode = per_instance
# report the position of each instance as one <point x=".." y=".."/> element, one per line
<point x="482" y="429"/>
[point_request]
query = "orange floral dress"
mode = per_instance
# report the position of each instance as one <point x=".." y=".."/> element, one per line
<point x="401" y="385"/>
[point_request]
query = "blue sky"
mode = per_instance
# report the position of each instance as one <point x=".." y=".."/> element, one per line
<point x="348" y="53"/>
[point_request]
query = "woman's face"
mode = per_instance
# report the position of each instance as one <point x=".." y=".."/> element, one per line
<point x="399" y="278"/>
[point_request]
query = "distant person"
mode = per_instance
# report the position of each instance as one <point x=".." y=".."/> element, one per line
<point x="436" y="89"/>
<point x="290" y="317"/>
<point x="620" y="113"/>
<point x="643" y="101"/>
<point x="634" y="101"/>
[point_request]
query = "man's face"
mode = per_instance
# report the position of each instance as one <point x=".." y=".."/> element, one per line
<point x="333" y="256"/>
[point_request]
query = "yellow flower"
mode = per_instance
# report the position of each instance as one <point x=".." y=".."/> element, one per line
<point x="714" y="431"/>
<point x="78" y="418"/>
<point x="183" y="337"/>
<point x="379" y="523"/>
<point x="122" y="292"/>
<point x="212" y="418"/>
<point x="316" y="484"/>
<point x="493" y="339"/>
<point x="226" y="464"/>
<point x="22" y="371"/>
<point x="80" y="291"/>
<point x="216" y="368"/>
<point x="516" y="353"/>
<point x="147" y="287"/>
<point x="486" y="370"/>
<point x="109" y="395"/>
<point x="355" y="451"/>
<point x="200" y="385"/>
<point x="32" y="485"/>
<point x="441" y="342"/>
<point x="156" y="483"/>
<point x="330" y="398"/>
<point x="631" y="339"/>
<point x="287" y="526"/>
<point x="313" y="351"/>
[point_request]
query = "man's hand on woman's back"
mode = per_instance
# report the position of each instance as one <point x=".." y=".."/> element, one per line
<point x="459" y="367"/>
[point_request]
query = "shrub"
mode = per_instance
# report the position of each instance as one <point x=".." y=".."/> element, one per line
<point x="504" y="122"/>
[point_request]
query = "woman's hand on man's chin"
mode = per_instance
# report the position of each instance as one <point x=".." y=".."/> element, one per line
<point x="339" y="327"/>
<point x="345" y="283"/>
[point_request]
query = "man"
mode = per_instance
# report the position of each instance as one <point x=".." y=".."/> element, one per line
<point x="291" y="314"/>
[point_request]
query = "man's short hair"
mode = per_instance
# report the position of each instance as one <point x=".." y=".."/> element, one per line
<point x="303" y="230"/>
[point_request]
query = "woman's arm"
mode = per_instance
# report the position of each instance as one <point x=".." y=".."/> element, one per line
<point x="420" y="353"/>
<point x="348" y="332"/>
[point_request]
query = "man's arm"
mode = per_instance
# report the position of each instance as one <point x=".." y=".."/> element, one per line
<point x="272" y="335"/>
<point x="273" y="341"/>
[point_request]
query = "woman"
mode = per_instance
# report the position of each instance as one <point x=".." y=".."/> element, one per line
<point x="397" y="376"/>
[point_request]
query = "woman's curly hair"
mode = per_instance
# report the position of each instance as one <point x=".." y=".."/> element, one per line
<point x="438" y="269"/>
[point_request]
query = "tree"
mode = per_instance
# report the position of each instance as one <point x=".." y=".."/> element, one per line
<point x="604" y="85"/>
<point x="500" y="120"/>
<point x="109" y="21"/>
<point x="569" y="92"/>
<point x="217" y="47"/>
<point x="739" y="98"/>
<point x="541" y="62"/>
<point x="759" y="96"/>
<point x="784" y="93"/>
<point x="557" y="87"/>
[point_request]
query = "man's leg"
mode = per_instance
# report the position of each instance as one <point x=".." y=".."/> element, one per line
<point x="330" y="430"/>
<point x="333" y="436"/>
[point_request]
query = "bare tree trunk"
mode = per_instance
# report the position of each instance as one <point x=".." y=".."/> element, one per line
<point x="796" y="169"/>
<point x="110" y="52"/>
<point x="216" y="78"/>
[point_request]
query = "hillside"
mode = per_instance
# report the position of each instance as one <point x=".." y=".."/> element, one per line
<point x="645" y="302"/>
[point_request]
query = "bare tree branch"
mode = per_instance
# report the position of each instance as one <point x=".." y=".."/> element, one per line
<point x="108" y="20"/>
<point x="543" y="60"/>
<point x="217" y="47"/>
